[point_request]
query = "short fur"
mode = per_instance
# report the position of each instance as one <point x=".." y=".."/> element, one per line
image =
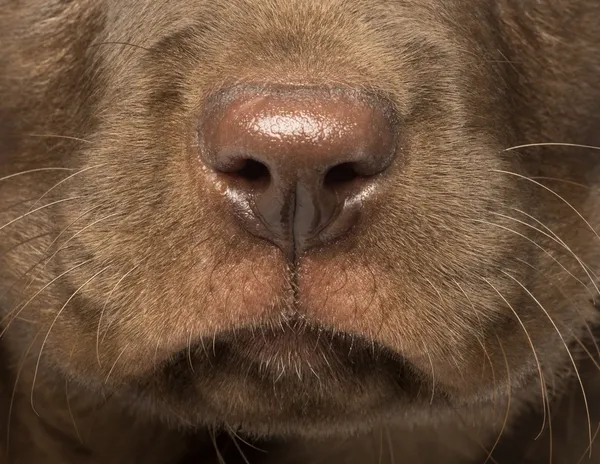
<point x="141" y="324"/>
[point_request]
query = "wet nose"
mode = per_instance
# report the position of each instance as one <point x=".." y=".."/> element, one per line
<point x="298" y="164"/>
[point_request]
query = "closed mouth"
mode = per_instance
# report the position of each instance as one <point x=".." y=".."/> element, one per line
<point x="295" y="355"/>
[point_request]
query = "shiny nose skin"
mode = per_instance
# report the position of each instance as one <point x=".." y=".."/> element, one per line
<point x="297" y="164"/>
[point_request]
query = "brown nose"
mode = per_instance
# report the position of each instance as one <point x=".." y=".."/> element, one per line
<point x="298" y="163"/>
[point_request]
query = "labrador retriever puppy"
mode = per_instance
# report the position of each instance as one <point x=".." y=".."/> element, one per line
<point x="299" y="231"/>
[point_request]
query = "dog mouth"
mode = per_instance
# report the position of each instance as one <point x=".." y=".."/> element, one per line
<point x="291" y="342"/>
<point x="295" y="373"/>
<point x="296" y="348"/>
<point x="331" y="347"/>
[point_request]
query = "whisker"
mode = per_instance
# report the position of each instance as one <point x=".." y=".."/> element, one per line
<point x="22" y="363"/>
<point x="537" y="361"/>
<point x="24" y="242"/>
<point x="539" y="184"/>
<point x="216" y="446"/>
<point x="56" y="136"/>
<point x="112" y="368"/>
<point x="81" y="171"/>
<point x="432" y="375"/>
<point x="30" y="270"/>
<point x="567" y="297"/>
<point x="205" y="351"/>
<point x="506" y="60"/>
<point x="189" y="353"/>
<point x="449" y="326"/>
<point x="588" y="449"/>
<point x="587" y="269"/>
<point x="108" y="298"/>
<point x="71" y="411"/>
<point x="34" y="296"/>
<point x="31" y="171"/>
<point x="552" y="144"/>
<point x="508" y="404"/>
<point x="533" y="242"/>
<point x="16" y="204"/>
<point x="50" y="330"/>
<point x="156" y="348"/>
<point x="247" y="443"/>
<point x="564" y="181"/>
<point x="39" y="209"/>
<point x="233" y="437"/>
<point x="587" y="409"/>
<point x="594" y="341"/>
<point x="587" y="351"/>
<point x="13" y="285"/>
<point x="481" y="342"/>
<point x="62" y="232"/>
<point x="76" y="234"/>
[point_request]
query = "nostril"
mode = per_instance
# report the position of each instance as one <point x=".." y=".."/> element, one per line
<point x="342" y="175"/>
<point x="254" y="171"/>
<point x="251" y="171"/>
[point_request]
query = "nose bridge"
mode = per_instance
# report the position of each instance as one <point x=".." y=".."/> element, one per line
<point x="315" y="42"/>
<point x="299" y="31"/>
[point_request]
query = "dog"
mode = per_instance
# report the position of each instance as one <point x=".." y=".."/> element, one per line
<point x="299" y="231"/>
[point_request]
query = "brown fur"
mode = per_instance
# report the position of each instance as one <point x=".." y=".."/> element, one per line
<point x="131" y="303"/>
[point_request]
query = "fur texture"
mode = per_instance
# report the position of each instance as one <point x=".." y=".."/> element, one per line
<point x="141" y="324"/>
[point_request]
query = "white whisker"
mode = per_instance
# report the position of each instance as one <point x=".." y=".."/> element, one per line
<point x="552" y="144"/>
<point x="539" y="184"/>
<point x="566" y="348"/>
<point x="39" y="209"/>
<point x="52" y="326"/>
<point x="31" y="171"/>
<point x="537" y="361"/>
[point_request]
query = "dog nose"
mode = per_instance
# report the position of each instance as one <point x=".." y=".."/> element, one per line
<point x="297" y="164"/>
